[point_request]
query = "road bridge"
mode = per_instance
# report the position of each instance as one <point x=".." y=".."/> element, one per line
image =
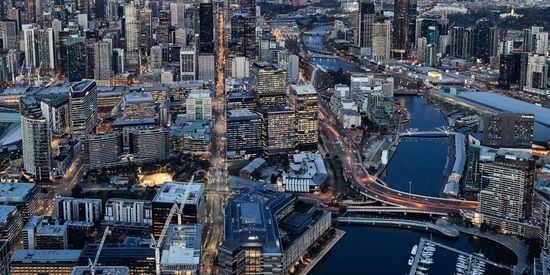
<point x="392" y="210"/>
<point x="445" y="231"/>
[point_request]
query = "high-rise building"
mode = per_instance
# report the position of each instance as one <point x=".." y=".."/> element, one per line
<point x="41" y="232"/>
<point x="164" y="30"/>
<point x="22" y="195"/>
<point x="536" y="75"/>
<point x="30" y="10"/>
<point x="83" y="106"/>
<point x="73" y="209"/>
<point x="269" y="84"/>
<point x="462" y="42"/>
<point x="181" y="193"/>
<point x="10" y="228"/>
<point x="278" y="128"/>
<point x="199" y="105"/>
<point x="535" y="40"/>
<point x="55" y="108"/>
<point x="127" y="212"/>
<point x="182" y="240"/>
<point x="404" y="25"/>
<point x="145" y="30"/>
<point x="510" y="70"/>
<point x="364" y="26"/>
<point x="243" y="133"/>
<point x="508" y="130"/>
<point x="206" y="67"/>
<point x="131" y="35"/>
<point x="422" y="27"/>
<point x="507" y="189"/>
<point x="243" y="33"/>
<point x="102" y="150"/>
<point x="36" y="137"/>
<point x="482" y="39"/>
<point x="188" y="64"/>
<point x="381" y="40"/>
<point x="304" y="100"/>
<point x="77" y="58"/>
<point x="177" y="15"/>
<point x="103" y="54"/>
<point x="39" y="47"/>
<point x="206" y="27"/>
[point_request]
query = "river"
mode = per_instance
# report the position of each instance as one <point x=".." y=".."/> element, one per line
<point x="379" y="251"/>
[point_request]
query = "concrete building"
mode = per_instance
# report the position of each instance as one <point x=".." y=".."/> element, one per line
<point x="536" y="75"/>
<point x="134" y="253"/>
<point x="170" y="193"/>
<point x="49" y="261"/>
<point x="243" y="133"/>
<point x="181" y="253"/>
<point x="188" y="64"/>
<point x="132" y="34"/>
<point x="85" y="270"/>
<point x="304" y="100"/>
<point x="10" y="225"/>
<point x="55" y="108"/>
<point x="306" y="173"/>
<point x="206" y="67"/>
<point x="42" y="232"/>
<point x="103" y="150"/>
<point x="74" y="209"/>
<point x="199" y="105"/>
<point x="103" y="55"/>
<point x="508" y="130"/>
<point x="138" y="106"/>
<point x="381" y="40"/>
<point x="128" y="212"/>
<point x="36" y="135"/>
<point x="149" y="144"/>
<point x="240" y="67"/>
<point x="22" y="195"/>
<point x="191" y="136"/>
<point x="278" y="128"/>
<point x="83" y="108"/>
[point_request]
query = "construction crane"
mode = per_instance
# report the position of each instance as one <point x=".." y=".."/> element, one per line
<point x="93" y="264"/>
<point x="157" y="244"/>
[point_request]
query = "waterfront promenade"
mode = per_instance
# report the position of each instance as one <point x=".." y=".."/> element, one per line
<point x="337" y="236"/>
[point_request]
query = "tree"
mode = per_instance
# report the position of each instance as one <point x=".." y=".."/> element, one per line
<point x="76" y="192"/>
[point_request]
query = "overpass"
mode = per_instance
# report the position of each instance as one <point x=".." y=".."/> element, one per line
<point x="392" y="210"/>
<point x="428" y="226"/>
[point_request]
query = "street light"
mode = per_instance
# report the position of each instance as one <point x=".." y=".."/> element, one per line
<point x="410" y="187"/>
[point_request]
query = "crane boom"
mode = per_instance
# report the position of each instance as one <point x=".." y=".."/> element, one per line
<point x="93" y="264"/>
<point x="156" y="244"/>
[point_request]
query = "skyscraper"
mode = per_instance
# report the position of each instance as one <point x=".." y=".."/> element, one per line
<point x="163" y="32"/>
<point x="83" y="106"/>
<point x="536" y="74"/>
<point x="364" y="26"/>
<point x="509" y="70"/>
<point x="381" y="40"/>
<point x="404" y="25"/>
<point x="243" y="133"/>
<point x="269" y="84"/>
<point x="206" y="27"/>
<point x="278" y="129"/>
<point x="304" y="100"/>
<point x="482" y="39"/>
<point x="462" y="42"/>
<point x="131" y="31"/>
<point x="36" y="139"/>
<point x="102" y="60"/>
<point x="508" y="130"/>
<point x="77" y="58"/>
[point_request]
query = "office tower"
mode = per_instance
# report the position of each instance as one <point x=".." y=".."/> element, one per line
<point x="240" y="100"/>
<point x="102" y="150"/>
<point x="30" y="11"/>
<point x="421" y="44"/>
<point x="155" y="59"/>
<point x="240" y="67"/>
<point x="508" y="130"/>
<point x="77" y="58"/>
<point x="433" y="35"/>
<point x="36" y="137"/>
<point x="29" y="40"/>
<point x="102" y="60"/>
<point x="422" y="27"/>
<point x="186" y="240"/>
<point x="10" y="228"/>
<point x="8" y="28"/>
<point x="381" y="40"/>
<point x="163" y="32"/>
<point x="181" y="193"/>
<point x="507" y="191"/>
<point x="83" y="106"/>
<point x="494" y="41"/>
<point x="42" y="232"/>
<point x="255" y="225"/>
<point x="364" y="26"/>
<point x="177" y="15"/>
<point x="510" y="70"/>
<point x="206" y="28"/>
<point x="118" y="61"/>
<point x="199" y="105"/>
<point x="132" y="253"/>
<point x="145" y="30"/>
<point x="72" y="209"/>
<point x="462" y="42"/>
<point x="536" y="74"/>
<point x="131" y="34"/>
<point x="482" y="39"/>
<point x="278" y="128"/>
<point x="49" y="261"/>
<point x="292" y="68"/>
<point x="304" y="100"/>
<point x="269" y="84"/>
<point x="180" y="37"/>
<point x="206" y="67"/>
<point x="404" y="25"/>
<point x="55" y="108"/>
<point x="128" y="213"/>
<point x="243" y="33"/>
<point x="22" y="195"/>
<point x="535" y="40"/>
<point x="149" y="144"/>
<point x="243" y="133"/>
<point x="188" y="64"/>
<point x="431" y="55"/>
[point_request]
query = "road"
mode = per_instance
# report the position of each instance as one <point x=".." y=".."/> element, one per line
<point x="375" y="188"/>
<point x="216" y="190"/>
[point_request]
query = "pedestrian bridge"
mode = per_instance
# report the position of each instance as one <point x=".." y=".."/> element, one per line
<point x="439" y="132"/>
<point x="392" y="210"/>
<point x="445" y="231"/>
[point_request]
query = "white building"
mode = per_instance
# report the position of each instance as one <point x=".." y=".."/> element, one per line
<point x="188" y="64"/>
<point x="240" y="67"/>
<point x="307" y="172"/>
<point x="72" y="209"/>
<point x="199" y="105"/>
<point x="128" y="211"/>
<point x="206" y="67"/>
<point x="181" y="252"/>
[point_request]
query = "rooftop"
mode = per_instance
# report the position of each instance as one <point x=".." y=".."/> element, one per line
<point x="101" y="270"/>
<point x="306" y="89"/>
<point x="45" y="255"/>
<point x="241" y="114"/>
<point x="183" y="245"/>
<point x="138" y="98"/>
<point x="15" y="192"/>
<point x="180" y="192"/>
<point x="82" y="86"/>
<point x="197" y="94"/>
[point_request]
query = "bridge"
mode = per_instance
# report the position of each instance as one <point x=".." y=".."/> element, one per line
<point x="323" y="56"/>
<point x="392" y="210"/>
<point x="440" y="132"/>
<point x="445" y="231"/>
